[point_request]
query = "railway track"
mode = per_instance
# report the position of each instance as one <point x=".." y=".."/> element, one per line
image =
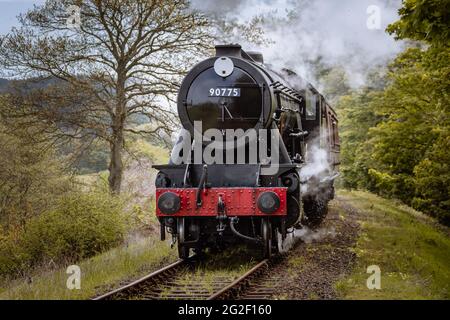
<point x="182" y="280"/>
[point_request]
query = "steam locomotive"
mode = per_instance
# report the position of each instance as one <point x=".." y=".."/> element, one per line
<point x="238" y="192"/>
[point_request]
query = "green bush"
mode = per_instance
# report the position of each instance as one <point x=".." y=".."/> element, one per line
<point x="81" y="225"/>
<point x="11" y="256"/>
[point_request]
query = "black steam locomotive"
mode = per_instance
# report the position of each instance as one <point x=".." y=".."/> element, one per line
<point x="242" y="192"/>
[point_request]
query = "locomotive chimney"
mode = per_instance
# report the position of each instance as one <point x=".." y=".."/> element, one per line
<point x="235" y="50"/>
<point x="229" y="50"/>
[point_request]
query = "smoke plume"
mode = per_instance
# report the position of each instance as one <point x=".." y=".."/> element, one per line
<point x="306" y="34"/>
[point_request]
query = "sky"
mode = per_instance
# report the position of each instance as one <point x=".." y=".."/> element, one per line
<point x="10" y="9"/>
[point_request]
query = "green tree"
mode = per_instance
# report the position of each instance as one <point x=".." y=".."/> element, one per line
<point x="32" y="175"/>
<point x="336" y="84"/>
<point x="432" y="180"/>
<point x="415" y="108"/>
<point x="425" y="20"/>
<point x="357" y="115"/>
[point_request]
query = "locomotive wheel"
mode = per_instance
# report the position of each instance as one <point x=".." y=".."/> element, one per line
<point x="315" y="212"/>
<point x="286" y="244"/>
<point x="266" y="233"/>
<point x="183" y="250"/>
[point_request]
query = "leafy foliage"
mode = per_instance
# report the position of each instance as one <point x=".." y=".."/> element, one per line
<point x="423" y="20"/>
<point x="432" y="180"/>
<point x="80" y="226"/>
<point x="32" y="176"/>
<point x="357" y="115"/>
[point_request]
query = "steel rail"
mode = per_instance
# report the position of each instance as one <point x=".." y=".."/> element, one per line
<point x="229" y="291"/>
<point x="142" y="280"/>
<point x="232" y="290"/>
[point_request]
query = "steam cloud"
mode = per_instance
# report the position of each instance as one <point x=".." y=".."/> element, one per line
<point x="317" y="165"/>
<point x="308" y="235"/>
<point x="304" y="32"/>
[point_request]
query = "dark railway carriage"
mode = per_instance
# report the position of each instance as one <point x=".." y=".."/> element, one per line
<point x="213" y="204"/>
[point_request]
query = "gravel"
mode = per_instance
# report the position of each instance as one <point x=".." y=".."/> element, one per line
<point x="318" y="261"/>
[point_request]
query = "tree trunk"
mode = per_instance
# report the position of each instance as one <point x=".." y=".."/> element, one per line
<point x="117" y="141"/>
<point x="116" y="164"/>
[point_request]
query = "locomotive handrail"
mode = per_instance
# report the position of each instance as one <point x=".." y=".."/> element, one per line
<point x="201" y="185"/>
<point x="299" y="134"/>
<point x="298" y="100"/>
<point x="186" y="175"/>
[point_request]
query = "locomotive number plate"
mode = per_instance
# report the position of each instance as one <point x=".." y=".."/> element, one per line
<point x="225" y="92"/>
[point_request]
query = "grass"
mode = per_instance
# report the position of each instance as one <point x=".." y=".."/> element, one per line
<point x="98" y="274"/>
<point x="122" y="265"/>
<point x="412" y="251"/>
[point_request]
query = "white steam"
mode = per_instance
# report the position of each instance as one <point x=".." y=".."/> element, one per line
<point x="328" y="32"/>
<point x="308" y="235"/>
<point x="317" y="165"/>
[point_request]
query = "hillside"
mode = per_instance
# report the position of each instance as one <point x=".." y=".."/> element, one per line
<point x="410" y="248"/>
